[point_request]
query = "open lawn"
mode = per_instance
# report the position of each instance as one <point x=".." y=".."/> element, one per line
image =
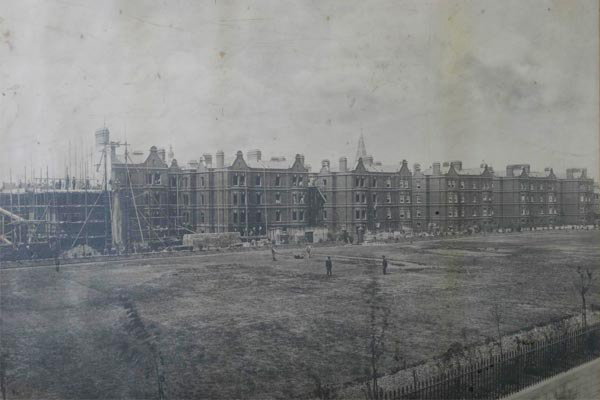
<point x="241" y="325"/>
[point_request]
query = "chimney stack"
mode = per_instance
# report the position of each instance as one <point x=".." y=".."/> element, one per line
<point x="254" y="155"/>
<point x="220" y="157"/>
<point x="162" y="153"/>
<point x="207" y="160"/>
<point x="436" y="168"/>
<point x="325" y="164"/>
<point x="368" y="160"/>
<point x="417" y="167"/>
<point x="343" y="164"/>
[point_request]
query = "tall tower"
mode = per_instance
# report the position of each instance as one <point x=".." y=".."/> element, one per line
<point x="361" y="151"/>
<point x="103" y="166"/>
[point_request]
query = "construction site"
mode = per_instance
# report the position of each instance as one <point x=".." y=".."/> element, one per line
<point x="131" y="202"/>
<point x="121" y="201"/>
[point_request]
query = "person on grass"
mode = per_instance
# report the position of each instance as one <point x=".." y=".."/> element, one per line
<point x="329" y="266"/>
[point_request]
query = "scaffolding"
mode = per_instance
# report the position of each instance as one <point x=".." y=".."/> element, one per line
<point x="37" y="221"/>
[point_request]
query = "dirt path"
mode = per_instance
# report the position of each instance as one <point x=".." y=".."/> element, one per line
<point x="581" y="383"/>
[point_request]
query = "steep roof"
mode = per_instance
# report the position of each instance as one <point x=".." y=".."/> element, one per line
<point x="361" y="150"/>
<point x="270" y="164"/>
<point x="471" y="171"/>
<point x="382" y="168"/>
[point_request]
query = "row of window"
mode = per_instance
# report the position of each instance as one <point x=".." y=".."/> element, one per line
<point x="485" y="185"/>
<point x="240" y="180"/>
<point x="239" y="216"/>
<point x="485" y="212"/>
<point x="362" y="198"/>
<point x="541" y="186"/>
<point x="360" y="181"/>
<point x="551" y="198"/>
<point x="362" y="213"/>
<point x="541" y="211"/>
<point x="453" y="198"/>
<point x="240" y="198"/>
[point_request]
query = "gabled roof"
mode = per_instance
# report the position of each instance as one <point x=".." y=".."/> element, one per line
<point x="280" y="163"/>
<point x="471" y="171"/>
<point x="383" y="168"/>
<point x="361" y="166"/>
<point x="154" y="159"/>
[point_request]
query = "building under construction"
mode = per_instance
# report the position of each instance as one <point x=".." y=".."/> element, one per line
<point x="142" y="201"/>
<point x="44" y="221"/>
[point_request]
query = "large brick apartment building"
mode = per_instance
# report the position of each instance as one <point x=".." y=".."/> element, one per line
<point x="155" y="199"/>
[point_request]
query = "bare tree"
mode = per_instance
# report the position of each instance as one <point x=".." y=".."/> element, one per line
<point x="585" y="279"/>
<point x="498" y="318"/>
<point x="378" y="326"/>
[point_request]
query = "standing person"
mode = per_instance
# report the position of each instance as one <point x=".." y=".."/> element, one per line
<point x="329" y="266"/>
<point x="384" y="262"/>
<point x="308" y="251"/>
<point x="273" y="253"/>
<point x="56" y="262"/>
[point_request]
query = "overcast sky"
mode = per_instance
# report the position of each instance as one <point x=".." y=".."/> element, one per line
<point x="494" y="81"/>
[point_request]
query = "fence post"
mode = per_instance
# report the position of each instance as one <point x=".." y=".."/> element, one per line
<point x="497" y="385"/>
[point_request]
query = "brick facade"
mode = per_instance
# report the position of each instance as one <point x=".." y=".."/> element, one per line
<point x="257" y="197"/>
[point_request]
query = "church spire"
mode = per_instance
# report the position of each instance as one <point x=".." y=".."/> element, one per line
<point x="361" y="151"/>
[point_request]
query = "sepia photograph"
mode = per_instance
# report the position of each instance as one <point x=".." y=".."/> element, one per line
<point x="300" y="199"/>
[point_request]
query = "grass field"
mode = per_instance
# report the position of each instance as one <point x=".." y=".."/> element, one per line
<point x="241" y="325"/>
